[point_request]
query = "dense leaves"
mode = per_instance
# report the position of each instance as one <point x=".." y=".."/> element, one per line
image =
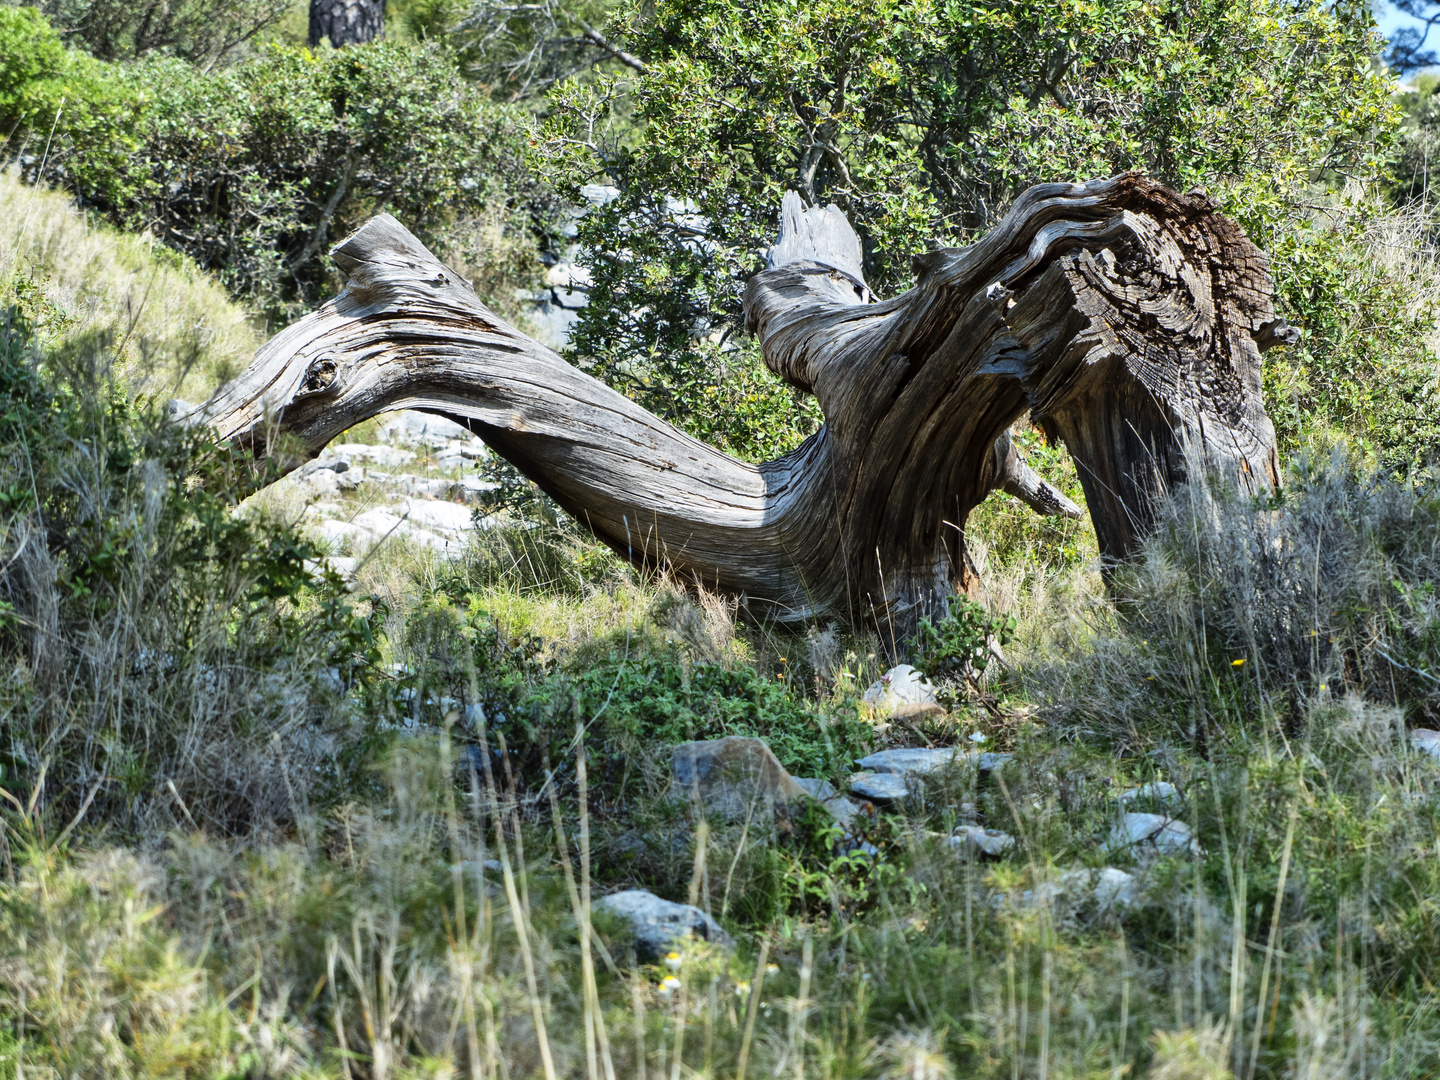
<point x="255" y="170"/>
<point x="922" y="121"/>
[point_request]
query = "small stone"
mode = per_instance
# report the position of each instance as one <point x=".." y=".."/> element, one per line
<point x="849" y="846"/>
<point x="972" y="839"/>
<point x="1426" y="741"/>
<point x="1163" y="834"/>
<point x="658" y="926"/>
<point x="1161" y="792"/>
<point x="901" y="685"/>
<point x="879" y="787"/>
<point x="732" y="777"/>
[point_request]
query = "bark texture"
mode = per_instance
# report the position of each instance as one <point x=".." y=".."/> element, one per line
<point x="1126" y="319"/>
<point x="346" y="22"/>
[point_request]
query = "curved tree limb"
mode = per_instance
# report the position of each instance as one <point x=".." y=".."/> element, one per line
<point x="1126" y="319"/>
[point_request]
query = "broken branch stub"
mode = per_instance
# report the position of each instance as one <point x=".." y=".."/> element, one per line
<point x="1127" y="320"/>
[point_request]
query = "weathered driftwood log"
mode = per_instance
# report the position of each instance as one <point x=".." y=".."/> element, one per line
<point x="1125" y="318"/>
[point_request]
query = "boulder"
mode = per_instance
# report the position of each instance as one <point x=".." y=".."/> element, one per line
<point x="1154" y="832"/>
<point x="901" y="685"/>
<point x="658" y="926"/>
<point x="734" y="778"/>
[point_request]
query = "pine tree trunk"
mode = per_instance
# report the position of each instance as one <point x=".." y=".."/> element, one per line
<point x="1127" y="320"/>
<point x="346" y="22"/>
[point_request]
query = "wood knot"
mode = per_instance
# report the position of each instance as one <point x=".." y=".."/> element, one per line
<point x="320" y="376"/>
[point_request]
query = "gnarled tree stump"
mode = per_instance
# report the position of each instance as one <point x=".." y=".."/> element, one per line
<point x="1125" y="318"/>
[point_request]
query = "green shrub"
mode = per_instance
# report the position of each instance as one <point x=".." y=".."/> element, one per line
<point x="201" y="31"/>
<point x="961" y="642"/>
<point x="164" y="657"/>
<point x="922" y="122"/>
<point x="1360" y="286"/>
<point x="255" y="170"/>
<point x="54" y="99"/>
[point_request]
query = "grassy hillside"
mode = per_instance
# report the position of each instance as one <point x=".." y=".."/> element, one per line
<point x="172" y="330"/>
<point x="269" y="813"/>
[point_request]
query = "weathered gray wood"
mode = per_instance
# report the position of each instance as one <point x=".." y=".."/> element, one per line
<point x="1126" y="319"/>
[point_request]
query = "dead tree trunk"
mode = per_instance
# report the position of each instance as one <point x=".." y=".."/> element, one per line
<point x="346" y="22"/>
<point x="1126" y="319"/>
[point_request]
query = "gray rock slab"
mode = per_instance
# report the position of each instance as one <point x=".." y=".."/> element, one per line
<point x="659" y="926"/>
<point x="912" y="762"/>
<point x="920" y="762"/>
<point x="732" y="778"/>
<point x="880" y="787"/>
<point x="1161" y="792"/>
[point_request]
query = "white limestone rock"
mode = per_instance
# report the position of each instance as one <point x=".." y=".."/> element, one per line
<point x="1154" y="833"/>
<point x="901" y="685"/>
<point x="658" y="926"/>
<point x="1425" y="741"/>
<point x="972" y="840"/>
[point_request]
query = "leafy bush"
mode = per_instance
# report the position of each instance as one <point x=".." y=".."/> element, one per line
<point x="255" y="170"/>
<point x="962" y="641"/>
<point x="921" y="122"/>
<point x="53" y="98"/>
<point x="201" y="31"/>
<point x="1365" y="291"/>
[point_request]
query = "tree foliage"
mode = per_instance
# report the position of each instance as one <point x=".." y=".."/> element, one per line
<point x="254" y="170"/>
<point x="202" y="31"/>
<point x="922" y="121"/>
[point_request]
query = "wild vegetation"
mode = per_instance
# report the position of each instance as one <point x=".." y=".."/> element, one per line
<point x="268" y="813"/>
